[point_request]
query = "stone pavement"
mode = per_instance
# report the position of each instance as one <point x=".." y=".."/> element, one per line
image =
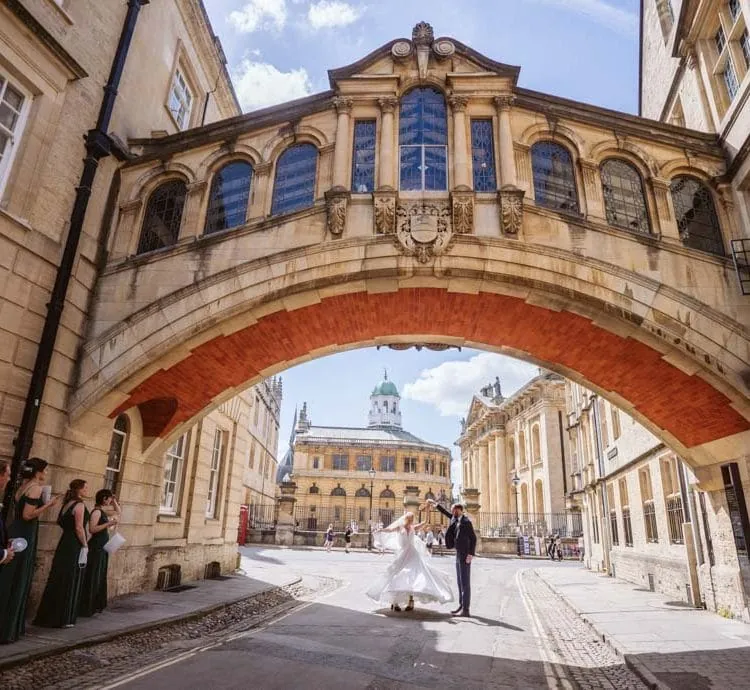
<point x="138" y="612"/>
<point x="669" y="645"/>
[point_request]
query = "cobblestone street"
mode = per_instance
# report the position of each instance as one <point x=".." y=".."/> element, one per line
<point x="327" y="632"/>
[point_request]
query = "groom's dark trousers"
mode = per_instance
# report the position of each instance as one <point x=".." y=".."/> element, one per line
<point x="460" y="536"/>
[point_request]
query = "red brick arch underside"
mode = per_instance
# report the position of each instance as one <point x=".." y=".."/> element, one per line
<point x="686" y="406"/>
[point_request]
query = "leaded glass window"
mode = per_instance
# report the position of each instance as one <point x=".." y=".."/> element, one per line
<point x="230" y="192"/>
<point x="745" y="45"/>
<point x="624" y="198"/>
<point x="734" y="9"/>
<point x="554" y="178"/>
<point x="696" y="215"/>
<point x="423" y="141"/>
<point x="117" y="449"/>
<point x="720" y="40"/>
<point x="730" y="79"/>
<point x="161" y="223"/>
<point x="363" y="158"/>
<point x="483" y="156"/>
<point x="294" y="187"/>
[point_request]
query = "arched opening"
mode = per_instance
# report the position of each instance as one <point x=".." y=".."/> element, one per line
<point x="163" y="217"/>
<point x="536" y="445"/>
<point x="294" y="184"/>
<point x="624" y="196"/>
<point x="696" y="215"/>
<point x="524" y="507"/>
<point x="539" y="507"/>
<point x="554" y="177"/>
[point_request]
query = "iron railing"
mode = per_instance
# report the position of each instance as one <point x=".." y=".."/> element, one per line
<point x="741" y="254"/>
<point x="675" y="518"/>
<point x="262" y="516"/>
<point x="627" y="527"/>
<point x="613" y="528"/>
<point x="308" y="518"/>
<point x="568" y="524"/>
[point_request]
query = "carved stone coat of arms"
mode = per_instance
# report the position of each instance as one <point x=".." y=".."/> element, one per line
<point x="423" y="230"/>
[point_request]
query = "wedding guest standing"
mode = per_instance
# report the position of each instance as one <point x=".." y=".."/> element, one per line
<point x="6" y="553"/>
<point x="94" y="588"/>
<point x="59" y="606"/>
<point x="15" y="576"/>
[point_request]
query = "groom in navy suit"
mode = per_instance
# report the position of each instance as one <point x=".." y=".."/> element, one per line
<point x="460" y="535"/>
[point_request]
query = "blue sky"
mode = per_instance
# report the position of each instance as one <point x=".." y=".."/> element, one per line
<point x="277" y="50"/>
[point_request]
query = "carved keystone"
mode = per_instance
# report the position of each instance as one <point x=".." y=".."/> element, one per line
<point x="510" y="200"/>
<point x="337" y="202"/>
<point x="385" y="211"/>
<point x="462" y="207"/>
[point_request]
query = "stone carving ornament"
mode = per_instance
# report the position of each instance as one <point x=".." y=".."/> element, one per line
<point x="337" y="201"/>
<point x="423" y="230"/>
<point x="423" y="41"/>
<point x="385" y="214"/>
<point x="511" y="210"/>
<point x="463" y="212"/>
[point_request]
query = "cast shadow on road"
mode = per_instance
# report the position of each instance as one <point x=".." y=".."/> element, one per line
<point x="255" y="555"/>
<point x="426" y="615"/>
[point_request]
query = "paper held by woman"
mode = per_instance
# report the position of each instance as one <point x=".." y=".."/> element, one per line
<point x="410" y="573"/>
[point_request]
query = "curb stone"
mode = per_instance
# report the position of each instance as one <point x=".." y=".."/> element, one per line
<point x="53" y="650"/>
<point x="634" y="664"/>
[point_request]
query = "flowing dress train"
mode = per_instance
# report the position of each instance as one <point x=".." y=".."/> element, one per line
<point x="410" y="574"/>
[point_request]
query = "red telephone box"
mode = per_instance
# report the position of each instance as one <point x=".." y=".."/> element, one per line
<point x="242" y="531"/>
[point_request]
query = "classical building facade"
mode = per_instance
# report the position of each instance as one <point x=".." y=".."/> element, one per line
<point x="346" y="474"/>
<point x="513" y="453"/>
<point x="180" y="502"/>
<point x="645" y="517"/>
<point x="261" y="466"/>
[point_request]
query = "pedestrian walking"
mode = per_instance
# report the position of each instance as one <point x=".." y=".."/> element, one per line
<point x="429" y="540"/>
<point x="347" y="538"/>
<point x="94" y="588"/>
<point x="329" y="538"/>
<point x="59" y="605"/>
<point x="16" y="575"/>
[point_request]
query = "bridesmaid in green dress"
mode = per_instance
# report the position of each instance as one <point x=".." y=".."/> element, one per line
<point x="94" y="588"/>
<point x="59" y="605"/>
<point x="15" y="576"/>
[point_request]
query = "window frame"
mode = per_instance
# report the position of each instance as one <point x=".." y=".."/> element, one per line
<point x="181" y="72"/>
<point x="112" y="476"/>
<point x="647" y="231"/>
<point x="142" y="246"/>
<point x="573" y="206"/>
<point x="277" y="206"/>
<point x="336" y="458"/>
<point x="212" y="194"/>
<point x="16" y="136"/>
<point x="178" y="463"/>
<point x="355" y="165"/>
<point x="491" y="175"/>
<point x="215" y="470"/>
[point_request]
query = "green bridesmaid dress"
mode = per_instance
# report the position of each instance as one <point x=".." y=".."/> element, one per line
<point x="59" y="606"/>
<point x="15" y="577"/>
<point x="94" y="589"/>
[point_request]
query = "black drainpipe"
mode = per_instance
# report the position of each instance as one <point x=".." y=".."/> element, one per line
<point x="98" y="146"/>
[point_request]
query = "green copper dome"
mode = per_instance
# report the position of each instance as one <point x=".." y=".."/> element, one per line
<point x="386" y="388"/>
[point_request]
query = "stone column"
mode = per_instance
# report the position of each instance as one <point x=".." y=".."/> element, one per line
<point x="592" y="190"/>
<point x="262" y="191"/>
<point x="510" y="197"/>
<point x="385" y="196"/>
<point x="665" y="223"/>
<point x="490" y="497"/>
<point x="341" y="150"/>
<point x="461" y="158"/>
<point x="504" y="498"/>
<point x="285" y="522"/>
<point x="484" y="474"/>
<point x="128" y="232"/>
<point x="192" y="218"/>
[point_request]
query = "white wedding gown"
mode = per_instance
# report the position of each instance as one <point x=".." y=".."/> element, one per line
<point x="409" y="574"/>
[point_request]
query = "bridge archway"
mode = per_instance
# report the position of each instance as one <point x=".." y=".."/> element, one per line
<point x="610" y="330"/>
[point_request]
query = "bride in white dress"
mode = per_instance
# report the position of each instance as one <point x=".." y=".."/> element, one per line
<point x="409" y="577"/>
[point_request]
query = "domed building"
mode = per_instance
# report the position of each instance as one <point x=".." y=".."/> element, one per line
<point x="342" y="473"/>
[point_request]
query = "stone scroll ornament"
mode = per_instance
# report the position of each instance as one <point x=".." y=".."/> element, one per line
<point x="424" y="44"/>
<point x="423" y="230"/>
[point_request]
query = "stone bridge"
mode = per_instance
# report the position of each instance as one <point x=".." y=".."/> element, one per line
<point x="426" y="198"/>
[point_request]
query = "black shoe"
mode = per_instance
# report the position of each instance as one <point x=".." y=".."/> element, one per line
<point x="395" y="608"/>
<point x="455" y="612"/>
<point x="410" y="606"/>
<point x="464" y="614"/>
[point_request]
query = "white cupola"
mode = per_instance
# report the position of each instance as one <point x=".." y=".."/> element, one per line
<point x="385" y="405"/>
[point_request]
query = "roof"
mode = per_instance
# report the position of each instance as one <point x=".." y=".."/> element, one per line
<point x="386" y="388"/>
<point x="385" y="436"/>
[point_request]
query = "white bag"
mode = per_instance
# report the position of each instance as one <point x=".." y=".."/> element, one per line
<point x="116" y="540"/>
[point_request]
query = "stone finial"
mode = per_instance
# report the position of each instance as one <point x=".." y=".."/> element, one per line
<point x="423" y="34"/>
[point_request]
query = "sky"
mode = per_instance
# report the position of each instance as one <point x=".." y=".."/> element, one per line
<point x="278" y="50"/>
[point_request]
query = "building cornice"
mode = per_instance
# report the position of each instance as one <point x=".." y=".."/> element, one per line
<point x="46" y="38"/>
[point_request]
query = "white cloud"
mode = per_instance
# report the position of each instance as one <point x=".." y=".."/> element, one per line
<point x="450" y="386"/>
<point x="260" y="84"/>
<point x="259" y="15"/>
<point x="327" y="14"/>
<point x="601" y="12"/>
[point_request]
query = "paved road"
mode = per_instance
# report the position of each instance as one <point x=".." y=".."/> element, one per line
<point x="520" y="637"/>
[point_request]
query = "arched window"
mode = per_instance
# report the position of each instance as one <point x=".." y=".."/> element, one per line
<point x="161" y="224"/>
<point x="512" y="453"/>
<point x="538" y="496"/>
<point x="522" y="459"/>
<point x="423" y="141"/>
<point x="338" y="491"/>
<point x="230" y="192"/>
<point x="536" y="445"/>
<point x="294" y="186"/>
<point x="362" y="492"/>
<point x="117" y="450"/>
<point x="696" y="215"/>
<point x="314" y="489"/>
<point x="554" y="179"/>
<point x="387" y="493"/>
<point x="429" y="496"/>
<point x="624" y="198"/>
